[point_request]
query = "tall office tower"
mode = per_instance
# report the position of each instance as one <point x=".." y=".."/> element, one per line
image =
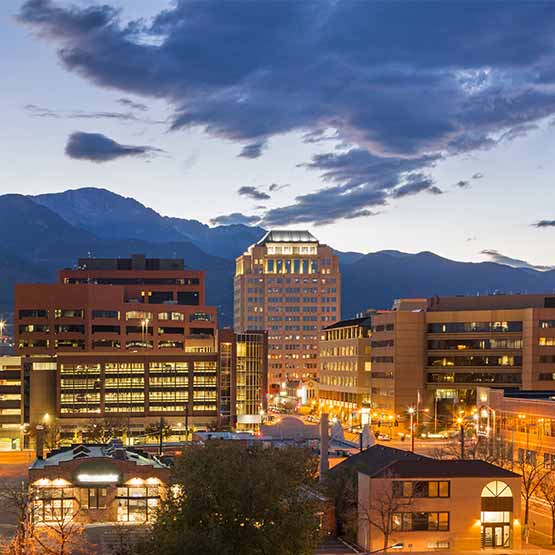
<point x="126" y="338"/>
<point x="433" y="354"/>
<point x="289" y="284"/>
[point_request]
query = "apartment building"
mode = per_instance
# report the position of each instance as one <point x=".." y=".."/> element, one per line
<point x="433" y="354"/>
<point x="133" y="339"/>
<point x="344" y="388"/>
<point x="290" y="285"/>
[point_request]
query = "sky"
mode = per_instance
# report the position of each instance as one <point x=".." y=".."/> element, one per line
<point x="407" y="125"/>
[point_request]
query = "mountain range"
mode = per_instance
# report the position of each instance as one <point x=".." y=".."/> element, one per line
<point x="44" y="233"/>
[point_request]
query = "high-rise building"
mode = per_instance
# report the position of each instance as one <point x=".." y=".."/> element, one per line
<point x="132" y="339"/>
<point x="344" y="374"/>
<point x="290" y="285"/>
<point x="433" y="354"/>
<point x="12" y="403"/>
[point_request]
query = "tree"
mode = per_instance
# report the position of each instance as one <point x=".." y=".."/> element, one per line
<point x="230" y="499"/>
<point x="16" y="500"/>
<point x="160" y="430"/>
<point x="533" y="473"/>
<point x="105" y="429"/>
<point x="379" y="510"/>
<point x="547" y="491"/>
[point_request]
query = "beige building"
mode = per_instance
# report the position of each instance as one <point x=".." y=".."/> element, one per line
<point x="518" y="424"/>
<point x="439" y="505"/>
<point x="289" y="284"/>
<point x="11" y="403"/>
<point x="433" y="354"/>
<point x="344" y="375"/>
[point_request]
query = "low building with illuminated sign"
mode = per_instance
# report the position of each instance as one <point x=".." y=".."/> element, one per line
<point x="97" y="484"/>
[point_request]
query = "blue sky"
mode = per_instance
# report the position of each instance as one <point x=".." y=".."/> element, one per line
<point x="406" y="125"/>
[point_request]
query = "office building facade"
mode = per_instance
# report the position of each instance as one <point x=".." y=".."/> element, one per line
<point x="433" y="354"/>
<point x="290" y="285"/>
<point x="344" y="386"/>
<point x="132" y="340"/>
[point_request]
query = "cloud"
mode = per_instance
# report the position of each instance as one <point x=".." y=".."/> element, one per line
<point x="351" y="72"/>
<point x="99" y="148"/>
<point x="254" y="193"/>
<point x="275" y="187"/>
<point x="40" y="112"/>
<point x="253" y="150"/>
<point x="463" y="184"/>
<point x="416" y="183"/>
<point x="235" y="218"/>
<point x="544" y="223"/>
<point x="478" y="175"/>
<point x="500" y="258"/>
<point x="133" y="105"/>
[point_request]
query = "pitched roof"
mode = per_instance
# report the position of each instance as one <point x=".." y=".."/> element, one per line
<point x="375" y="458"/>
<point x="434" y="468"/>
<point x="284" y="236"/>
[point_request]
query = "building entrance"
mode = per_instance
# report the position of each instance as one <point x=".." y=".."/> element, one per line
<point x="496" y="515"/>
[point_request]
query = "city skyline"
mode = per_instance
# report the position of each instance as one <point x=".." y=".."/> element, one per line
<point x="422" y="140"/>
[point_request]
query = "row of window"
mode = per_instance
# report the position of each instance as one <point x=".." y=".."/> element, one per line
<point x="473" y="327"/>
<point x="420" y="521"/>
<point x="114" y="314"/>
<point x="505" y="360"/>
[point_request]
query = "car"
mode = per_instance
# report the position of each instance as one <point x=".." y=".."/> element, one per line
<point x="384" y="437"/>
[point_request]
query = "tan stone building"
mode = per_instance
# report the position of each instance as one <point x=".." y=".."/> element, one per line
<point x="439" y="505"/>
<point x="433" y="354"/>
<point x="289" y="284"/>
<point x="344" y="374"/>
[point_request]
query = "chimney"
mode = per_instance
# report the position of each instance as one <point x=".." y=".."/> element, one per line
<point x="324" y="446"/>
<point x="40" y="441"/>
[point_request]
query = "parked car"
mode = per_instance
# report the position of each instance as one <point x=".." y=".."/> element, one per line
<point x="384" y="437"/>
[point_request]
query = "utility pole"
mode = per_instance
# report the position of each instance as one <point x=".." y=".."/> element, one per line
<point x="186" y="420"/>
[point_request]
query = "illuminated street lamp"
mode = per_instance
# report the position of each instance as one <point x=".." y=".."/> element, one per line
<point x="460" y="422"/>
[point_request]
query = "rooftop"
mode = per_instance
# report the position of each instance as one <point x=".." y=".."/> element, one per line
<point x="283" y="236"/>
<point x="364" y="321"/>
<point x="433" y="468"/>
<point x="375" y="458"/>
<point x="113" y="450"/>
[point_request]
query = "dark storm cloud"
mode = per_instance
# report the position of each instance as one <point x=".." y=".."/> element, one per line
<point x="398" y="81"/>
<point x="254" y="193"/>
<point x="544" y="223"/>
<point x="234" y="219"/>
<point x="99" y="148"/>
<point x="463" y="184"/>
<point x="500" y="258"/>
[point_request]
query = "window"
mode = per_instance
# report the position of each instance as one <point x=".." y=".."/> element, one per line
<point x="33" y="313"/>
<point x="94" y="498"/>
<point x="54" y="504"/>
<point x="105" y="314"/>
<point x="420" y="521"/>
<point x="419" y="488"/>
<point x="69" y="313"/>
<point x="137" y="504"/>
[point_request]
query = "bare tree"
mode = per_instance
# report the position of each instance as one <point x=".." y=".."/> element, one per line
<point x="16" y="500"/>
<point x="380" y="510"/>
<point x="62" y="534"/>
<point x="547" y="491"/>
<point x="104" y="429"/>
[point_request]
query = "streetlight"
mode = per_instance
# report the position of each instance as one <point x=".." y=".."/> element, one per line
<point x="2" y="328"/>
<point x="460" y="422"/>
<point x="411" y="413"/>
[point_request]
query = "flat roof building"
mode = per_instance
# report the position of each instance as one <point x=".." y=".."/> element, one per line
<point x="436" y="352"/>
<point x="290" y="285"/>
<point x="133" y="340"/>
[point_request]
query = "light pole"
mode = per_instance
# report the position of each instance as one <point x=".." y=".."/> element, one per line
<point x="411" y="413"/>
<point x="460" y="422"/>
<point x="2" y="328"/>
